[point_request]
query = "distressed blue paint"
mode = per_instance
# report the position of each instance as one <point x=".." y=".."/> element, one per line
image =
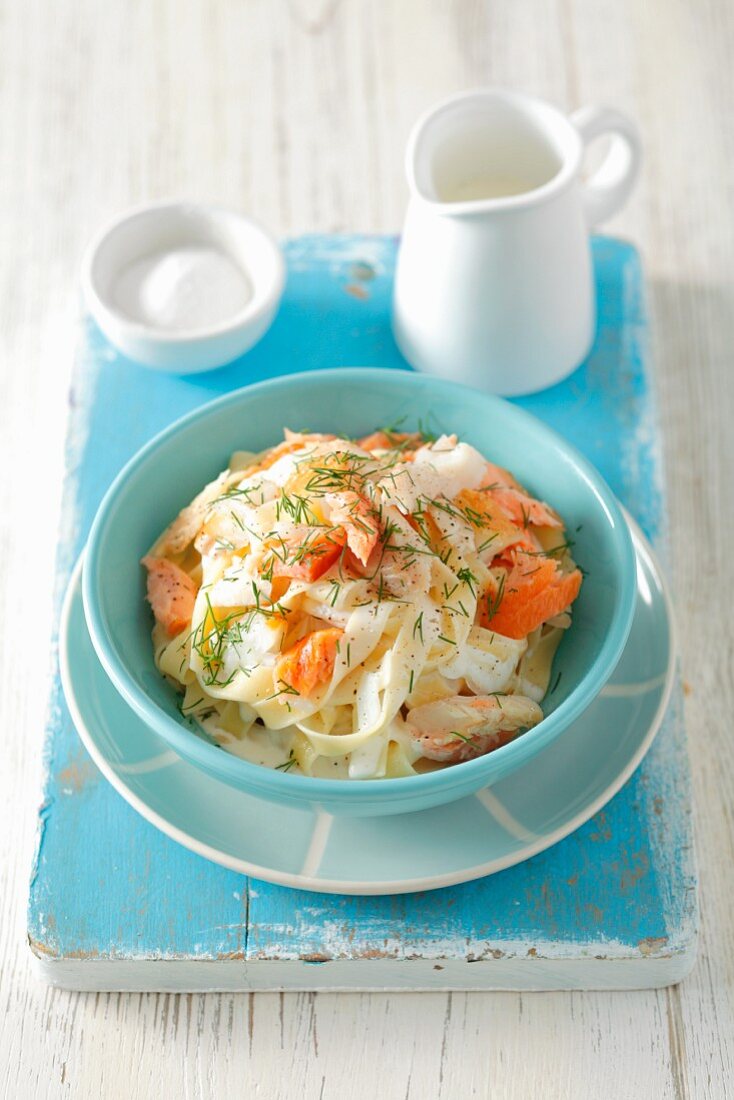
<point x="106" y="884"/>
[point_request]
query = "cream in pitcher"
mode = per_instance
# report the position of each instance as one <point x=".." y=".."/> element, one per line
<point x="494" y="285"/>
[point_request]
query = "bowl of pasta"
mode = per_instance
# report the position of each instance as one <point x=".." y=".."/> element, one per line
<point x="365" y="590"/>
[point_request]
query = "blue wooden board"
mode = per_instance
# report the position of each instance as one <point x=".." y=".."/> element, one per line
<point x="115" y="904"/>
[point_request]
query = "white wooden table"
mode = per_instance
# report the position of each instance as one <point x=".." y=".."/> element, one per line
<point x="298" y="111"/>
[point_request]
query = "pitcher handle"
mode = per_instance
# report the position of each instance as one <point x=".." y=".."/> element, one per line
<point x="611" y="185"/>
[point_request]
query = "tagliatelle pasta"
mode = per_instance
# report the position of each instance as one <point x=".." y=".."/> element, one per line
<point x="362" y="609"/>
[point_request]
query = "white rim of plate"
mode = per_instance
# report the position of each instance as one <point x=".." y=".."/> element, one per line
<point x="310" y="881"/>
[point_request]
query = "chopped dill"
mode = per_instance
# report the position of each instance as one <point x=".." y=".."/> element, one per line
<point x="394" y="428"/>
<point x="297" y="507"/>
<point x="466" y="577"/>
<point x="487" y="542"/>
<point x="191" y="706"/>
<point x="286" y="689"/>
<point x="493" y="602"/>
<point x="426" y="434"/>
<point x="562" y="546"/>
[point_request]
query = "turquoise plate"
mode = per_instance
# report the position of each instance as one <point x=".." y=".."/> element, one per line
<point x="536" y="806"/>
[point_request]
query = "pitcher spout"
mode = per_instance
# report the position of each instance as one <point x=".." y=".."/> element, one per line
<point x="481" y="151"/>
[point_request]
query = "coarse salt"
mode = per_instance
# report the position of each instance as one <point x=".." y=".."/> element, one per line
<point x="184" y="289"/>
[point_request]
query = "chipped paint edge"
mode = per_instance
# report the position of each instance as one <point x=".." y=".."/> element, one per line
<point x="372" y="975"/>
<point x="82" y="390"/>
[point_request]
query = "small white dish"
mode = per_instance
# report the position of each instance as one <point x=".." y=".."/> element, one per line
<point x="163" y="227"/>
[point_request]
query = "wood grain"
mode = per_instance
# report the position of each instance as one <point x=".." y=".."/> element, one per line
<point x="299" y="112"/>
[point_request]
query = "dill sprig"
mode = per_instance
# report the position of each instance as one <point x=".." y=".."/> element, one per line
<point x="468" y="578"/>
<point x="494" y="601"/>
<point x="191" y="706"/>
<point x="239" y="493"/>
<point x="287" y="764"/>
<point x="487" y="542"/>
<point x="297" y="507"/>
<point x="286" y="689"/>
<point x="210" y="644"/>
<point x="560" y="549"/>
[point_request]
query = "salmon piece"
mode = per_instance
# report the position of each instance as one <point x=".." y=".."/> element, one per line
<point x="498" y="476"/>
<point x="535" y="590"/>
<point x="272" y="456"/>
<point x="308" y="552"/>
<point x="524" y="509"/>
<point x="515" y="502"/>
<point x="462" y="727"/>
<point x="309" y="662"/>
<point x="171" y="594"/>
<point x="187" y="524"/>
<point x="358" y="518"/>
<point x="278" y="587"/>
<point x="387" y="441"/>
<point x="495" y="522"/>
<point x="294" y="441"/>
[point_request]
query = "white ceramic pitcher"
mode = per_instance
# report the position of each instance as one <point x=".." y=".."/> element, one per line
<point x="494" y="284"/>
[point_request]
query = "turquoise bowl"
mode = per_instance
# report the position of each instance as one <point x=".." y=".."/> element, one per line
<point x="168" y="472"/>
